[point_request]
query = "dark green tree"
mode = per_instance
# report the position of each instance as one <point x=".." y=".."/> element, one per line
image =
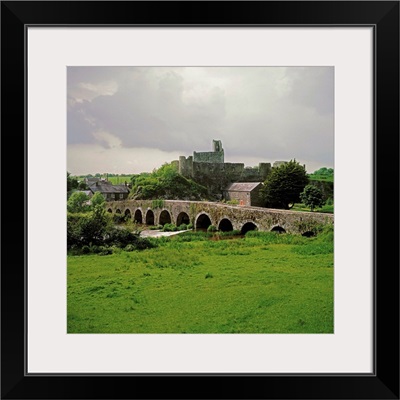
<point x="284" y="184"/>
<point x="312" y="197"/>
<point x="88" y="227"/>
<point x="72" y="182"/>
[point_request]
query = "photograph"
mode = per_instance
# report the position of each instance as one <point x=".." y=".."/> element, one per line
<point x="200" y="199"/>
<point x="225" y="226"/>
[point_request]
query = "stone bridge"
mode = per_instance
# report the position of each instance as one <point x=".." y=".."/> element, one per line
<point x="223" y="216"/>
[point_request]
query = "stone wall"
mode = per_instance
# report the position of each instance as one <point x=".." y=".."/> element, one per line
<point x="265" y="219"/>
<point x="208" y="157"/>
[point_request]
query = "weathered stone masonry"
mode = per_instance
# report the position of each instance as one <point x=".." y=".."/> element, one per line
<point x="202" y="214"/>
<point x="210" y="170"/>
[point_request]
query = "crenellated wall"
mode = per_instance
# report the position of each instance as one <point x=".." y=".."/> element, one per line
<point x="210" y="170"/>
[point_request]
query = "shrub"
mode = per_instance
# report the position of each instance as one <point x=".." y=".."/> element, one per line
<point x="158" y="203"/>
<point x="87" y="228"/>
<point x="190" y="226"/>
<point x="329" y="201"/>
<point x="212" y="228"/>
<point x="105" y="251"/>
<point x="130" y="247"/>
<point x="156" y="227"/>
<point x="119" y="218"/>
<point x="122" y="237"/>
<point x="86" y="249"/>
<point x="233" y="202"/>
<point x="169" y="228"/>
<point x="182" y="227"/>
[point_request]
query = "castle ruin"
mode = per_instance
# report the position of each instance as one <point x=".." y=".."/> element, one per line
<point x="210" y="170"/>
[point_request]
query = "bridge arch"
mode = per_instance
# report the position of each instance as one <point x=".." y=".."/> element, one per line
<point x="182" y="218"/>
<point x="128" y="214"/>
<point x="109" y="210"/>
<point x="149" y="217"/>
<point x="138" y="217"/>
<point x="308" y="234"/>
<point x="202" y="221"/>
<point x="225" y="225"/>
<point x="165" y="217"/>
<point x="118" y="211"/>
<point x="248" y="226"/>
<point x="278" y="229"/>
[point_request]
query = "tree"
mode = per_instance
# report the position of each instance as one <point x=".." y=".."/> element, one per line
<point x="312" y="197"/>
<point x="284" y="184"/>
<point x="97" y="200"/>
<point x="165" y="183"/>
<point x="88" y="227"/>
<point x="77" y="202"/>
<point x="72" y="182"/>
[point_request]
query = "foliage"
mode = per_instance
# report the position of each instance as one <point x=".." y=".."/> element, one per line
<point x="97" y="200"/>
<point x="78" y="202"/>
<point x="322" y="174"/>
<point x="169" y="228"/>
<point x="72" y="182"/>
<point x="324" y="171"/>
<point x="157" y="203"/>
<point x="284" y="184"/>
<point x="165" y="183"/>
<point x="312" y="197"/>
<point x="87" y="228"/>
<point x="119" y="218"/>
<point x="212" y="228"/>
<point x="122" y="238"/>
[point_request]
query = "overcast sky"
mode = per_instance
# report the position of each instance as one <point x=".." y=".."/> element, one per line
<point x="134" y="119"/>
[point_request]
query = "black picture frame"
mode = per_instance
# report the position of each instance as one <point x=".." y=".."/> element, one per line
<point x="383" y="383"/>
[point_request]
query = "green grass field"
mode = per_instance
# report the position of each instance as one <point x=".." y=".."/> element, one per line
<point x="327" y="208"/>
<point x="263" y="283"/>
<point x="328" y="178"/>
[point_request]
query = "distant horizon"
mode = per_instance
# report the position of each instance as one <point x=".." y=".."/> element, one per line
<point x="130" y="173"/>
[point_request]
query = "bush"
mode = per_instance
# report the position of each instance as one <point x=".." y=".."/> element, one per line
<point x="119" y="218"/>
<point x="121" y="238"/>
<point x="156" y="227"/>
<point x="233" y="202"/>
<point x="105" y="251"/>
<point x="130" y="247"/>
<point x="190" y="226"/>
<point x="169" y="228"/>
<point x="182" y="227"/>
<point x="86" y="249"/>
<point x="212" y="228"/>
<point x="329" y="201"/>
<point x="87" y="228"/>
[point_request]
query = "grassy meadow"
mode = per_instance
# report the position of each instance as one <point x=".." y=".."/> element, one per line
<point x="194" y="282"/>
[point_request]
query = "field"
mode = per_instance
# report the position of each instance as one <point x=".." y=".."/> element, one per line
<point x="120" y="179"/>
<point x="197" y="283"/>
<point x="327" y="208"/>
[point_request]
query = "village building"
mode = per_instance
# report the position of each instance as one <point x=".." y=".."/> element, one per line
<point x="246" y="193"/>
<point x="109" y="191"/>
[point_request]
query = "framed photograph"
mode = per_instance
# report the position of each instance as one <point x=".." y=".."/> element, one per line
<point x="190" y="120"/>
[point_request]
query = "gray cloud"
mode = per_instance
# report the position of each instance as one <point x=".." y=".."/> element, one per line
<point x="268" y="113"/>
